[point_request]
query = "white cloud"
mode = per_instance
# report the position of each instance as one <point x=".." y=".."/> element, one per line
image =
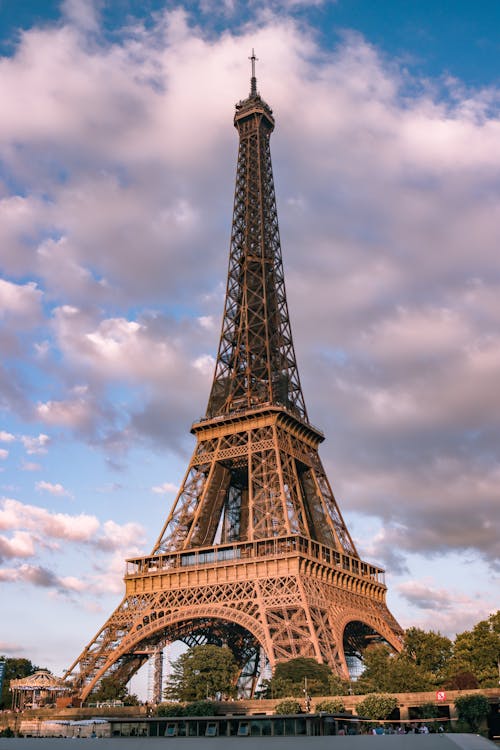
<point x="21" y="544"/>
<point x="30" y="466"/>
<point x="6" y="437"/>
<point x="389" y="214"/>
<point x="3" y="454"/>
<point x="166" y="487"/>
<point x="20" y="302"/>
<point x="35" y="445"/>
<point x="53" y="489"/>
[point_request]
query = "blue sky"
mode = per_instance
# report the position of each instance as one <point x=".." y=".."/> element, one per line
<point x="116" y="185"/>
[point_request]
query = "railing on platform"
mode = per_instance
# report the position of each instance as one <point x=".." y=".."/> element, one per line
<point x="279" y="547"/>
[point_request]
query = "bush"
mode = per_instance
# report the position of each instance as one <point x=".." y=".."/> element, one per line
<point x="200" y="708"/>
<point x="330" y="707"/>
<point x="170" y="709"/>
<point x="473" y="709"/>
<point x="427" y="711"/>
<point x="289" y="706"/>
<point x="377" y="706"/>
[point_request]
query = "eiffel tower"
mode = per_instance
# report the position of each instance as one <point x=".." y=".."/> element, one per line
<point x="255" y="553"/>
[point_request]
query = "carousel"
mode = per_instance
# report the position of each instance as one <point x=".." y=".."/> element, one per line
<point x="38" y="690"/>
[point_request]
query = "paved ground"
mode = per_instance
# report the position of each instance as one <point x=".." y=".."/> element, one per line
<point x="364" y="742"/>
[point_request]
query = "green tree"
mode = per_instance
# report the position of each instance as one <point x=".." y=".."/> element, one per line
<point x="291" y="677"/>
<point x="14" y="669"/>
<point x="430" y="651"/>
<point x="477" y="651"/>
<point x="330" y="706"/>
<point x="427" y="711"/>
<point x="338" y="686"/>
<point x="289" y="706"/>
<point x="111" y="689"/>
<point x="203" y="671"/>
<point x="473" y="709"/>
<point x="391" y="673"/>
<point x="376" y="706"/>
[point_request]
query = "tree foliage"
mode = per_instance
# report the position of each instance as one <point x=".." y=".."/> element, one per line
<point x="473" y="709"/>
<point x="476" y="652"/>
<point x="202" y="672"/>
<point x="427" y="711"/>
<point x="200" y="708"/>
<point x="14" y="669"/>
<point x="111" y="689"/>
<point x="288" y="707"/>
<point x="386" y="672"/>
<point x="170" y="709"/>
<point x="196" y="708"/>
<point x="377" y="706"/>
<point x="430" y="651"/>
<point x="291" y="677"/>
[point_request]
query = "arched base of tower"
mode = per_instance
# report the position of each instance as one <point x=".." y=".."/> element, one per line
<point x="286" y="597"/>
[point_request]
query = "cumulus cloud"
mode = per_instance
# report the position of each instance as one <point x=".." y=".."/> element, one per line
<point x="3" y="454"/>
<point x="6" y="437"/>
<point x="20" y="301"/>
<point x="35" y="445"/>
<point x="53" y="489"/>
<point x="389" y="215"/>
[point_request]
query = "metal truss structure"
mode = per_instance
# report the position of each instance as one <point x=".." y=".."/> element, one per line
<point x="255" y="553"/>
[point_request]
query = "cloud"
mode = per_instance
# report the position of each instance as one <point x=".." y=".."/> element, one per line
<point x="442" y="610"/>
<point x="30" y="466"/>
<point x="7" y="647"/>
<point x="20" y="302"/>
<point x="21" y="544"/>
<point x="53" y="489"/>
<point x="388" y="197"/>
<point x="39" y="576"/>
<point x="3" y="454"/>
<point x="160" y="489"/>
<point x="6" y="437"/>
<point x="35" y="445"/>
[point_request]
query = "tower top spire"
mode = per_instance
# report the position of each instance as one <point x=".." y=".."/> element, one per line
<point x="253" y="80"/>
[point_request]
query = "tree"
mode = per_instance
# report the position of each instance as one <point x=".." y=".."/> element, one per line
<point x="203" y="671"/>
<point x="377" y="706"/>
<point x="429" y="650"/>
<point x="477" y="651"/>
<point x="111" y="689"/>
<point x="462" y="681"/>
<point x="290" y="678"/>
<point x="14" y="670"/>
<point x="391" y="673"/>
<point x="473" y="709"/>
<point x="338" y="686"/>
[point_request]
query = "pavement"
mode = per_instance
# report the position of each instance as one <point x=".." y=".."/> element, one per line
<point x="357" y="742"/>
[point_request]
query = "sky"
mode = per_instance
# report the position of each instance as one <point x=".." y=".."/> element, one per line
<point x="117" y="167"/>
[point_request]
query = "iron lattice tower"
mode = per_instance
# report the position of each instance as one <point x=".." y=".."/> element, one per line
<point x="255" y="553"/>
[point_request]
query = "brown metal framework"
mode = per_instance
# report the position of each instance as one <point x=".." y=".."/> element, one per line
<point x="255" y="553"/>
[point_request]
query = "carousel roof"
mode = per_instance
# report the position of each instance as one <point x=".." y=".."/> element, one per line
<point x="41" y="680"/>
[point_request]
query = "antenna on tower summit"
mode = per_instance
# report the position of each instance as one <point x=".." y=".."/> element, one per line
<point x="253" y="83"/>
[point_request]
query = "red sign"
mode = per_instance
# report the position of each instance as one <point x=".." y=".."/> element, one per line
<point x="441" y="695"/>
